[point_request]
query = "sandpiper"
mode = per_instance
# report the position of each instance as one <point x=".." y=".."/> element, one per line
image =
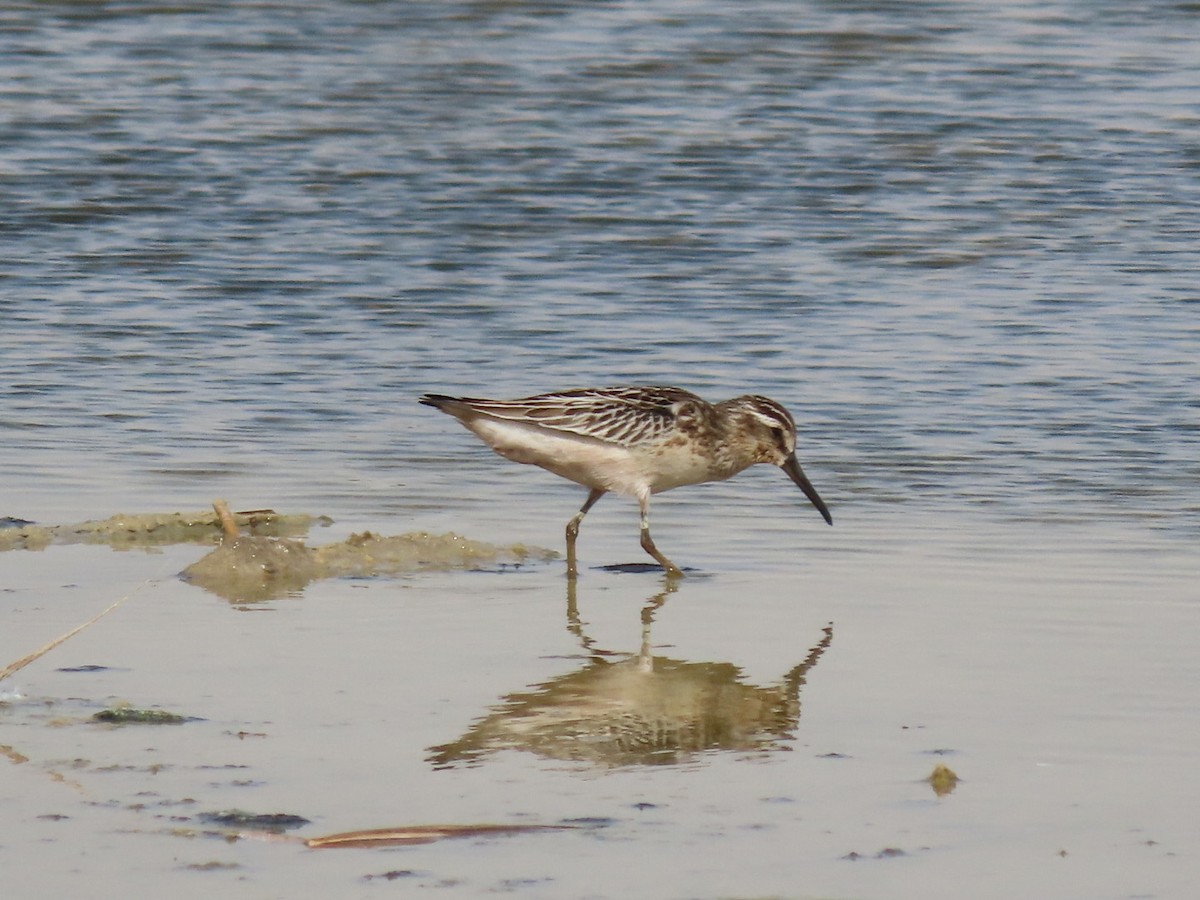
<point x="635" y="441"/>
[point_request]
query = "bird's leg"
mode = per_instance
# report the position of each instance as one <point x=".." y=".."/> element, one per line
<point x="573" y="529"/>
<point x="672" y="570"/>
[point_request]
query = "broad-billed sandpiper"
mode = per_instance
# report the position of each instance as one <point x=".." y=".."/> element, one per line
<point x="635" y="441"/>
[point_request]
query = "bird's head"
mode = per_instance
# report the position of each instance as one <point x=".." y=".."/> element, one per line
<point x="771" y="431"/>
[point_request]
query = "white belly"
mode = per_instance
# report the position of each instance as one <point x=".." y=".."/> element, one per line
<point x="592" y="463"/>
<point x="675" y="466"/>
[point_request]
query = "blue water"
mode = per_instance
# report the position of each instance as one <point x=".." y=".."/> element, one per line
<point x="959" y="240"/>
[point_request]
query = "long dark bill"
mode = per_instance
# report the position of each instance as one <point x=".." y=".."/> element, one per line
<point x="797" y="475"/>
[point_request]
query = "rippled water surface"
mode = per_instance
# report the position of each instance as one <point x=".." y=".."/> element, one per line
<point x="959" y="240"/>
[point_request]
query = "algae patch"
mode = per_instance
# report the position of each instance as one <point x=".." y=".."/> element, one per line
<point x="943" y="780"/>
<point x="258" y="554"/>
<point x="124" y="532"/>
<point x="122" y="715"/>
<point x="240" y="819"/>
<point x="247" y="568"/>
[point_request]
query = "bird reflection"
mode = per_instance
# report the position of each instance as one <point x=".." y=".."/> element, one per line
<point x="631" y="709"/>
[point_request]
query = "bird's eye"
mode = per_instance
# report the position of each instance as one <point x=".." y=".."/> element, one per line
<point x="777" y="433"/>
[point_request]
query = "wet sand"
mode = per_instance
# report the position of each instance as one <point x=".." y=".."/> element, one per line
<point x="751" y="733"/>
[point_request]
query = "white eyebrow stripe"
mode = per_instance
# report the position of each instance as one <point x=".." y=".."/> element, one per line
<point x="773" y="416"/>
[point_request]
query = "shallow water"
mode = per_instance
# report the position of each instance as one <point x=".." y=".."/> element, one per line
<point x="1058" y="687"/>
<point x="958" y="240"/>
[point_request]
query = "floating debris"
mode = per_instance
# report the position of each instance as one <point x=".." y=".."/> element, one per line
<point x="212" y="865"/>
<point x="421" y="834"/>
<point x="400" y="836"/>
<point x="392" y="875"/>
<point x="942" y="780"/>
<point x="14" y="756"/>
<point x="885" y="853"/>
<point x="238" y="818"/>
<point x="128" y="715"/>
<point x="124" y="532"/>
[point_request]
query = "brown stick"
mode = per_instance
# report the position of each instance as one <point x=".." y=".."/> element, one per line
<point x="228" y="525"/>
<point x="419" y="834"/>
